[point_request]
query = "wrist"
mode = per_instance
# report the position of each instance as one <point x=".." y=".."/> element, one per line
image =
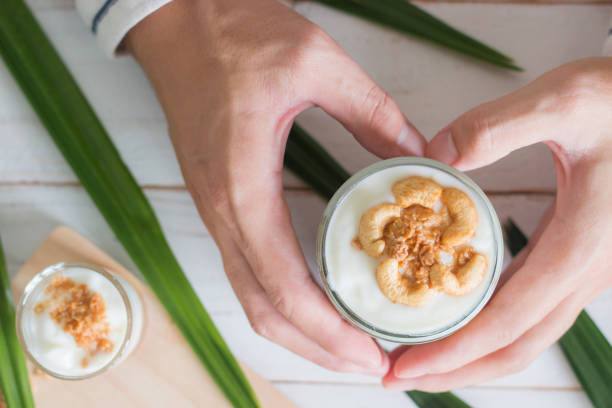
<point x="158" y="32"/>
<point x="172" y="53"/>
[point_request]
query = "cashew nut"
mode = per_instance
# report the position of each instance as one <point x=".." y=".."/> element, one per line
<point x="416" y="190"/>
<point x="372" y="225"/>
<point x="464" y="217"/>
<point x="400" y="289"/>
<point x="414" y="236"/>
<point x="465" y="279"/>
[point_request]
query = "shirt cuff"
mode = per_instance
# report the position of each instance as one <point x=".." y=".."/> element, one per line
<point x="110" y="20"/>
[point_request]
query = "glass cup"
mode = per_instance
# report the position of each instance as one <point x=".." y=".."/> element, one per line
<point x="356" y="187"/>
<point x="32" y="335"/>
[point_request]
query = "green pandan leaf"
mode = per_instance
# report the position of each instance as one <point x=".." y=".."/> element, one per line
<point x="407" y="18"/>
<point x="14" y="380"/>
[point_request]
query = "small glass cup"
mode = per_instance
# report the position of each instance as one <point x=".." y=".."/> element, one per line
<point x="350" y="315"/>
<point x="33" y="294"/>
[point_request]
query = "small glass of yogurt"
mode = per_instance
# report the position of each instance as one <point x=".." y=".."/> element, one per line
<point x="76" y="320"/>
<point x="354" y="279"/>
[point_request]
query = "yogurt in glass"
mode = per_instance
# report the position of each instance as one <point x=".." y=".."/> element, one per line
<point x="348" y="274"/>
<point x="76" y="320"/>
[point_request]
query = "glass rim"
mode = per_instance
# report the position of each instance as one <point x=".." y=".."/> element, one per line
<point x="354" y="318"/>
<point x="56" y="269"/>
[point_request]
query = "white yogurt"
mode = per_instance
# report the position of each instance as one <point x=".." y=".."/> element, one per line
<point x="351" y="273"/>
<point x="55" y="350"/>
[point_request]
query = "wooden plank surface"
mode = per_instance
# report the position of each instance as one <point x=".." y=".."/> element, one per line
<point x="38" y="190"/>
<point x="27" y="212"/>
<point x="430" y="84"/>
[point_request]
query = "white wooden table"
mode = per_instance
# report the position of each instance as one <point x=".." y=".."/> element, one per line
<point x="38" y="191"/>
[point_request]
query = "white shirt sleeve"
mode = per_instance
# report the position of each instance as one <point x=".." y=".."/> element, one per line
<point x="110" y="20"/>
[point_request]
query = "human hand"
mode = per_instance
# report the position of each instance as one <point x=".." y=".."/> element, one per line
<point x="231" y="76"/>
<point x="567" y="262"/>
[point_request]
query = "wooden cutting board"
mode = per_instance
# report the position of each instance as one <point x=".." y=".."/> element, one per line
<point x="161" y="372"/>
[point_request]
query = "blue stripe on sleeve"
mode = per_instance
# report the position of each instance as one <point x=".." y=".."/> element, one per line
<point x="101" y="13"/>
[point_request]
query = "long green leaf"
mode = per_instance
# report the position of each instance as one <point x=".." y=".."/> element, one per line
<point x="309" y="161"/>
<point x="14" y="380"/>
<point x="86" y="146"/>
<point x="410" y="9"/>
<point x="410" y="19"/>
<point x="439" y="400"/>
<point x="590" y="355"/>
<point x="584" y="345"/>
<point x="515" y="239"/>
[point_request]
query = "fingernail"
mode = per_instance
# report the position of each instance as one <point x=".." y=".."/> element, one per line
<point x="375" y="363"/>
<point x="406" y="374"/>
<point x="410" y="142"/>
<point x="391" y="382"/>
<point x="409" y="372"/>
<point x="380" y="364"/>
<point x="361" y="369"/>
<point x="442" y="148"/>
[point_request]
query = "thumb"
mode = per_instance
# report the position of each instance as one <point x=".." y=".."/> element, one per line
<point x="490" y="131"/>
<point x="349" y="95"/>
